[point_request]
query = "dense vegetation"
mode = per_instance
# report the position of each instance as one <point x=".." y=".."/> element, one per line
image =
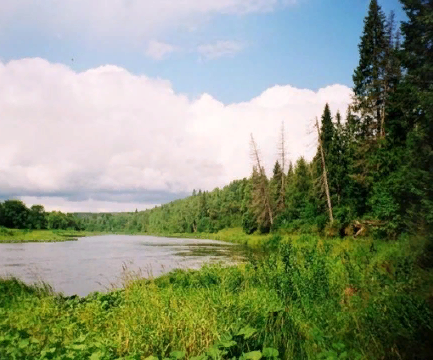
<point x="309" y="299"/>
<point x="14" y="214"/>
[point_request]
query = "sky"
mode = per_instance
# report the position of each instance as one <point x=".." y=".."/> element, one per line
<point x="113" y="105"/>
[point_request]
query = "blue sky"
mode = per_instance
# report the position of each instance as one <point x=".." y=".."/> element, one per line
<point x="310" y="44"/>
<point x="161" y="96"/>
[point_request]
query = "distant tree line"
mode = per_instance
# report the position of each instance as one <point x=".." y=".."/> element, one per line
<point x="374" y="167"/>
<point x="15" y="214"/>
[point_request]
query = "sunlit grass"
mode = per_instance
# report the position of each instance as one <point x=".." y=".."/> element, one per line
<point x="19" y="236"/>
<point x="310" y="298"/>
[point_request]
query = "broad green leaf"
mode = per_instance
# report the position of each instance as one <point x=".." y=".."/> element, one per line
<point x="177" y="355"/>
<point x="253" y="355"/>
<point x="227" y="344"/>
<point x="247" y="332"/>
<point x="200" y="357"/>
<point x="151" y="357"/>
<point x="270" y="352"/>
<point x="214" y="353"/>
<point x="97" y="355"/>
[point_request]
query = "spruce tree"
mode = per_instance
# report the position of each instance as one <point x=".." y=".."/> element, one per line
<point x="300" y="191"/>
<point x="416" y="105"/>
<point x="259" y="208"/>
<point x="327" y="130"/>
<point x="337" y="162"/>
<point x="368" y="77"/>
<point x="276" y="184"/>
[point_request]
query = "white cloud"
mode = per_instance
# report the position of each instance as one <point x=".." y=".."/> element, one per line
<point x="158" y="50"/>
<point x="108" y="135"/>
<point x="220" y="48"/>
<point x="122" y="17"/>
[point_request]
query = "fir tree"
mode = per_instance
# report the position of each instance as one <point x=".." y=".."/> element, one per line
<point x="300" y="191"/>
<point x="326" y="139"/>
<point x="276" y="188"/>
<point x="259" y="207"/>
<point x="369" y="75"/>
<point x="327" y="130"/>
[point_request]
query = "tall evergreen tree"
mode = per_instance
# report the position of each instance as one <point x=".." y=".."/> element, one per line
<point x="327" y="130"/>
<point x="416" y="105"/>
<point x="368" y="78"/>
<point x="326" y="140"/>
<point x="276" y="188"/>
<point x="259" y="207"/>
<point x="299" y="205"/>
<point x="337" y="162"/>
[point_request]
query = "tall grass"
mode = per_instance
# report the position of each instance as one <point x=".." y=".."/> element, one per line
<point x="310" y="298"/>
<point x="20" y="236"/>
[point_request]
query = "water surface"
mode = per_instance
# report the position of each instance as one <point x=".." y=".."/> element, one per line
<point x="98" y="262"/>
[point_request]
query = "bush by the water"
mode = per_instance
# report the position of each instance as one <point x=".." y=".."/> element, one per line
<point x="310" y="298"/>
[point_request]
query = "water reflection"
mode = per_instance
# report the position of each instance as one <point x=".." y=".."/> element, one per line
<point x="95" y="263"/>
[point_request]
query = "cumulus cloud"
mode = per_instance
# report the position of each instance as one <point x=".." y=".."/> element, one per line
<point x="220" y="48"/>
<point x="158" y="50"/>
<point x="122" y="17"/>
<point x="108" y="135"/>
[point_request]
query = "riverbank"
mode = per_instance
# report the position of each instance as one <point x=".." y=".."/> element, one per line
<point x="233" y="235"/>
<point x="22" y="236"/>
<point x="310" y="298"/>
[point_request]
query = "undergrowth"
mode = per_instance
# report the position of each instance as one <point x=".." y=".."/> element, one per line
<point x="310" y="298"/>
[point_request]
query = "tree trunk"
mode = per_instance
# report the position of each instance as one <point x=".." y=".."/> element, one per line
<point x="325" y="175"/>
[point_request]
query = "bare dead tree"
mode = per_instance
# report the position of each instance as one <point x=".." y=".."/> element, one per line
<point x="283" y="155"/>
<point x="325" y="175"/>
<point x="263" y="188"/>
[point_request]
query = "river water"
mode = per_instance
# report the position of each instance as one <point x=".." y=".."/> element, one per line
<point x="99" y="263"/>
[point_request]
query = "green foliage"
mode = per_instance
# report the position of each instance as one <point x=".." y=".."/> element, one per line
<point x="15" y="214"/>
<point x="309" y="298"/>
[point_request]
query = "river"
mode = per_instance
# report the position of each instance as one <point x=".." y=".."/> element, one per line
<point x="99" y="263"/>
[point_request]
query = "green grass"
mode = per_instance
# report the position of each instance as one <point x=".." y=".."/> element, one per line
<point x="21" y="236"/>
<point x="311" y="298"/>
<point x="234" y="235"/>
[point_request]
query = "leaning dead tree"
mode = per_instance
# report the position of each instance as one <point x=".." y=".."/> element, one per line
<point x="282" y="154"/>
<point x="325" y="173"/>
<point x="262" y="186"/>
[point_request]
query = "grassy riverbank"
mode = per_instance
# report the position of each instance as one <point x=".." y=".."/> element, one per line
<point x="310" y="298"/>
<point x="21" y="236"/>
<point x="233" y="235"/>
